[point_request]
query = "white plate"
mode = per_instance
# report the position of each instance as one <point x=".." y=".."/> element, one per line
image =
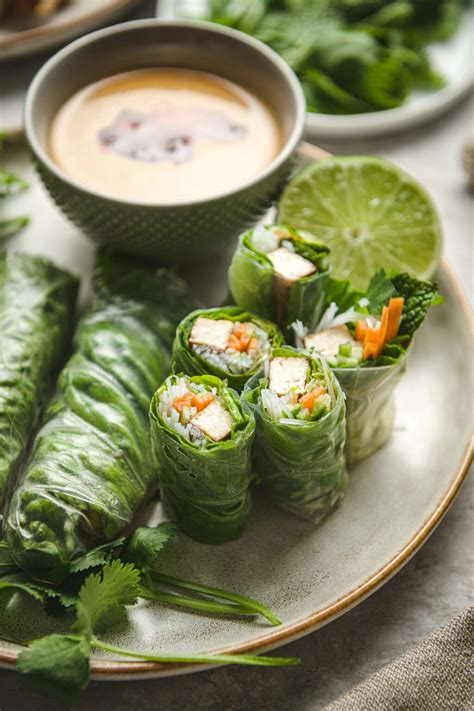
<point x="20" y="37"/>
<point x="453" y="59"/>
<point x="308" y="575"/>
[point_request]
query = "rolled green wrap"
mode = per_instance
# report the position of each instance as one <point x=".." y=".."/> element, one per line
<point x="91" y="464"/>
<point x="205" y="487"/>
<point x="301" y="463"/>
<point x="254" y="286"/>
<point x="186" y="359"/>
<point x="37" y="303"/>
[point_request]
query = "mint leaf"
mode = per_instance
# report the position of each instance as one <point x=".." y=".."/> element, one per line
<point x="95" y="557"/>
<point x="57" y="665"/>
<point x="379" y="292"/>
<point x="104" y="593"/>
<point x="145" y="544"/>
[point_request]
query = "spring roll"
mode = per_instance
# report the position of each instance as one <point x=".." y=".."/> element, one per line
<point x="37" y="303"/>
<point x="91" y="464"/>
<point x="202" y="437"/>
<point x="299" y="447"/>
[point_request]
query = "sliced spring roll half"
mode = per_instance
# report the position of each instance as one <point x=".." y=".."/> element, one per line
<point x="228" y="342"/>
<point x="365" y="338"/>
<point x="37" y="303"/>
<point x="202" y="438"/>
<point x="91" y="464"/>
<point x="281" y="274"/>
<point x="299" y="447"/>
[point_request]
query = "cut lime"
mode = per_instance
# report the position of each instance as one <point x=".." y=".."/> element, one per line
<point x="370" y="213"/>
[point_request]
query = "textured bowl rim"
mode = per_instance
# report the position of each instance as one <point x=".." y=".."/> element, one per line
<point x="287" y="73"/>
<point x="114" y="670"/>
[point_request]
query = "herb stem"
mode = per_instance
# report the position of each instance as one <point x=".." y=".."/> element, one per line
<point x="194" y="603"/>
<point x="197" y="658"/>
<point x="257" y="607"/>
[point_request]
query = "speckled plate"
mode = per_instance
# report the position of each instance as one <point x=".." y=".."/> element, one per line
<point x="308" y="575"/>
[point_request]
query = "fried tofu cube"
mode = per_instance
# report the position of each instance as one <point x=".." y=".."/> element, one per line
<point x="288" y="267"/>
<point x="214" y="421"/>
<point x="214" y="333"/>
<point x="288" y="374"/>
<point x="328" y="342"/>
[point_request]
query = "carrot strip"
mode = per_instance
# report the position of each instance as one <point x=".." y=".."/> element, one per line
<point x="361" y="330"/>
<point x="202" y="400"/>
<point x="183" y="401"/>
<point x="253" y="344"/>
<point x="308" y="399"/>
<point x="395" y="308"/>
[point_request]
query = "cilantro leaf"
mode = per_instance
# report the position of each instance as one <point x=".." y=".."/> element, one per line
<point x="57" y="666"/>
<point x="96" y="556"/>
<point x="144" y="545"/>
<point x="104" y="593"/>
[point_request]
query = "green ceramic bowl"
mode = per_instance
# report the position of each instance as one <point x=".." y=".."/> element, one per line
<point x="168" y="233"/>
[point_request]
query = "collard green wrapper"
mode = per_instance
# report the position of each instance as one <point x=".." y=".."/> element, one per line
<point x="252" y="283"/>
<point x="192" y="363"/>
<point x="91" y="464"/>
<point x="206" y="489"/>
<point x="302" y="465"/>
<point x="37" y="302"/>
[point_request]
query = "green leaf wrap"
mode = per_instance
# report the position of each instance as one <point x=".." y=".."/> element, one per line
<point x="302" y="465"/>
<point x="252" y="283"/>
<point x="370" y="406"/>
<point x="91" y="464"/>
<point x="206" y="489"/>
<point x="192" y="363"/>
<point x="37" y="302"/>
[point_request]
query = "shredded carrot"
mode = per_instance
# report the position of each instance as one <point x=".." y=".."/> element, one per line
<point x="395" y="308"/>
<point x="240" y="330"/>
<point x="239" y="339"/>
<point x="375" y="339"/>
<point x="361" y="330"/>
<point x="310" y="398"/>
<point x="183" y="401"/>
<point x="253" y="344"/>
<point x="234" y="342"/>
<point x="202" y="400"/>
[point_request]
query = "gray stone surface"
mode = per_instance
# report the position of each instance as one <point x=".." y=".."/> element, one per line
<point x="434" y="586"/>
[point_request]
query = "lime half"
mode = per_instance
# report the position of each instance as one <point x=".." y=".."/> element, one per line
<point x="370" y="213"/>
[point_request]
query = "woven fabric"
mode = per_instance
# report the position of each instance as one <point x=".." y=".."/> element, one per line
<point x="436" y="675"/>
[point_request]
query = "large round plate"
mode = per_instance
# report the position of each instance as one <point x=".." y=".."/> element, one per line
<point x="452" y="59"/>
<point x="309" y="575"/>
<point x="20" y="37"/>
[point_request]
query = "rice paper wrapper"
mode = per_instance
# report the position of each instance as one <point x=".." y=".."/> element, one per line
<point x="191" y="363"/>
<point x="91" y="464"/>
<point x="302" y="466"/>
<point x="206" y="489"/>
<point x="370" y="406"/>
<point x="252" y="286"/>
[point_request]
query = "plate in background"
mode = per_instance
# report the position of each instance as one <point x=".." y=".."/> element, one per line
<point x="453" y="59"/>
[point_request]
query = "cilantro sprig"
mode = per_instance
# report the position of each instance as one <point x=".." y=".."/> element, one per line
<point x="59" y="665"/>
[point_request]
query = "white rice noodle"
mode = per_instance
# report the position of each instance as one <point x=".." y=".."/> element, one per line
<point x="331" y="318"/>
<point x="327" y="377"/>
<point x="300" y="332"/>
<point x="173" y="418"/>
<point x="264" y="240"/>
<point x="274" y="405"/>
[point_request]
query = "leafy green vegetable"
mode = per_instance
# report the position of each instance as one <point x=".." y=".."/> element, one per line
<point x="301" y="463"/>
<point x="37" y="302"/>
<point x="190" y="362"/>
<point x="351" y="56"/>
<point x="419" y="296"/>
<point x="58" y="665"/>
<point x="145" y="544"/>
<point x="91" y="464"/>
<point x="206" y="489"/>
<point x="96" y="557"/>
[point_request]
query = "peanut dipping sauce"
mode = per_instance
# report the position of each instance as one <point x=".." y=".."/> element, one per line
<point x="163" y="136"/>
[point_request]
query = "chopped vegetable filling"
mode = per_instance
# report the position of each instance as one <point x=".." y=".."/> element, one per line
<point x="194" y="412"/>
<point x="293" y="392"/>
<point x="233" y="346"/>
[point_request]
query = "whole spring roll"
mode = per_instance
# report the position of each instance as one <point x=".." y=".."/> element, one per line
<point x="37" y="303"/>
<point x="281" y="274"/>
<point x="301" y="428"/>
<point x="202" y="438"/>
<point x="228" y="342"/>
<point x="366" y="338"/>
<point x="91" y="464"/>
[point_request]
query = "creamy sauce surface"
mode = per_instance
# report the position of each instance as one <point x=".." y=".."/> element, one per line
<point x="163" y="136"/>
